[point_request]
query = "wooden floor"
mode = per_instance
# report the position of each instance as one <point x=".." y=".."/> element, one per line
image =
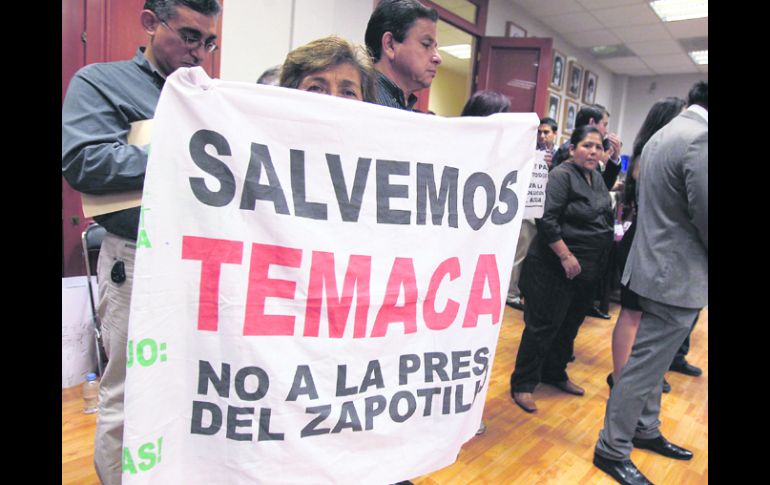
<point x="553" y="446"/>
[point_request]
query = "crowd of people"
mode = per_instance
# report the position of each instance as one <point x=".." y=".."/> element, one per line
<point x="561" y="259"/>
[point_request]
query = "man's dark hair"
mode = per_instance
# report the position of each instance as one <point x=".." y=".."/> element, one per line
<point x="485" y="103"/>
<point x="166" y="9"/>
<point x="595" y="111"/>
<point x="397" y="17"/>
<point x="699" y="94"/>
<point x="271" y="76"/>
<point x="550" y="122"/>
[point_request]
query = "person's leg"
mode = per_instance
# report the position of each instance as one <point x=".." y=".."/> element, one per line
<point x="548" y="298"/>
<point x="681" y="353"/>
<point x="634" y="403"/>
<point x="114" y="305"/>
<point x="558" y="355"/>
<point x="527" y="234"/>
<point x="623" y="336"/>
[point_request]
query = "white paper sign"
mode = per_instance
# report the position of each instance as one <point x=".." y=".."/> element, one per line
<point x="319" y="285"/>
<point x="536" y="192"/>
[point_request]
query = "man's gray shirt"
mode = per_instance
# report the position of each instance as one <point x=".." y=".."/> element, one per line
<point x="102" y="101"/>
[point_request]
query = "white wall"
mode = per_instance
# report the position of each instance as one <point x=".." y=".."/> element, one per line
<point x="257" y="34"/>
<point x="641" y="94"/>
<point x="78" y="349"/>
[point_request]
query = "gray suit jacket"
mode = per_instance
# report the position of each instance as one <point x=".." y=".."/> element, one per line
<point x="668" y="262"/>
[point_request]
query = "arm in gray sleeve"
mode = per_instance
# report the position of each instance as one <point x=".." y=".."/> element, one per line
<point x="696" y="169"/>
<point x="96" y="157"/>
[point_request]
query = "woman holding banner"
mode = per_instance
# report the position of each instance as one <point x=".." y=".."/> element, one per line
<point x="330" y="65"/>
<point x="562" y="267"/>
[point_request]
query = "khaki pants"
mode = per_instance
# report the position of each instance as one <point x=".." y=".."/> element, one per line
<point x="527" y="234"/>
<point x="114" y="305"/>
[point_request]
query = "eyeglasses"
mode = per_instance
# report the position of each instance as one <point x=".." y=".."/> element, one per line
<point x="192" y="41"/>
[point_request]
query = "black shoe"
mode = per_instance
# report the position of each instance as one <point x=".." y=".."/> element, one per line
<point x="662" y="446"/>
<point x="517" y="304"/>
<point x="595" y="312"/>
<point x="610" y="380"/>
<point x="686" y="368"/>
<point x="666" y="386"/>
<point x="572" y="358"/>
<point x="624" y="471"/>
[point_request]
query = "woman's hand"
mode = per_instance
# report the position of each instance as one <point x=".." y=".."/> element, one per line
<point x="571" y="266"/>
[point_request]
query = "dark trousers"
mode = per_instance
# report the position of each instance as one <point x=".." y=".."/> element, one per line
<point x="554" y="311"/>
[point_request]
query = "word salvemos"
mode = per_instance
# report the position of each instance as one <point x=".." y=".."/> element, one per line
<point x="440" y="200"/>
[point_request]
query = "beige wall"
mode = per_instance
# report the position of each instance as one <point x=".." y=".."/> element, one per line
<point x="448" y="93"/>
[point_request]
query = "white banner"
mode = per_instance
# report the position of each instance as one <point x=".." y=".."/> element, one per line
<point x="319" y="285"/>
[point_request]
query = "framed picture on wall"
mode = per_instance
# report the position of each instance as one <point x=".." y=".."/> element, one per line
<point x="554" y="103"/>
<point x="513" y="30"/>
<point x="589" y="87"/>
<point x="568" y="116"/>
<point x="557" y="70"/>
<point x="574" y="79"/>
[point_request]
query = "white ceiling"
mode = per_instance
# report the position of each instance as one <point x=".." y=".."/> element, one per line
<point x="654" y="44"/>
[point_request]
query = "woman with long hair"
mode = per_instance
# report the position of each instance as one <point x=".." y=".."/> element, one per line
<point x="624" y="333"/>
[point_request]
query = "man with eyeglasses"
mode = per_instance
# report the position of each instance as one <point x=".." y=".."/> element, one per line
<point x="102" y="102"/>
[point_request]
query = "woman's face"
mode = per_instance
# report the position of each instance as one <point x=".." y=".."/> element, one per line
<point x="587" y="152"/>
<point x="342" y="80"/>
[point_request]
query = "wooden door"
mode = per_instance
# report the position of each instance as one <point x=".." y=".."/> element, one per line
<point x="98" y="31"/>
<point x="520" y="68"/>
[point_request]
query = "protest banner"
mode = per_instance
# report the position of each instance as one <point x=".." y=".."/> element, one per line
<point x="319" y="285"/>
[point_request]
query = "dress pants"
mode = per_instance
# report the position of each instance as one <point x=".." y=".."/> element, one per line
<point x="526" y="235"/>
<point x="633" y="408"/>
<point x="684" y="349"/>
<point x="114" y="305"/>
<point x="554" y="311"/>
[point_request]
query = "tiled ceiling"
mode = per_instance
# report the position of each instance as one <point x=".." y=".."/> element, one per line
<point x="651" y="45"/>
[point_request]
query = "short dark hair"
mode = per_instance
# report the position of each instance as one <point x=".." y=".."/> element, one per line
<point x="271" y="76"/>
<point x="582" y="132"/>
<point x="550" y="122"/>
<point x="699" y="94"/>
<point x="166" y="9"/>
<point x="485" y="103"/>
<point x="584" y="115"/>
<point x="396" y="17"/>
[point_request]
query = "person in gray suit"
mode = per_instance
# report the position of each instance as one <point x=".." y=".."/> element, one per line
<point x="668" y="268"/>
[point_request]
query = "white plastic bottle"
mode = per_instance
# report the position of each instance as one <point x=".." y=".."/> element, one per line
<point x="91" y="393"/>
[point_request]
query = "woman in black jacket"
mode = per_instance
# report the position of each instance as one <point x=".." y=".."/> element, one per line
<point x="563" y="265"/>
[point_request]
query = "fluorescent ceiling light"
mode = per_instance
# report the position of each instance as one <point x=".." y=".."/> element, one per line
<point x="460" y="51"/>
<point x="700" y="57"/>
<point x="671" y="10"/>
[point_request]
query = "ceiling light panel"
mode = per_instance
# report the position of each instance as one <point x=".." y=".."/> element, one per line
<point x="673" y="10"/>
